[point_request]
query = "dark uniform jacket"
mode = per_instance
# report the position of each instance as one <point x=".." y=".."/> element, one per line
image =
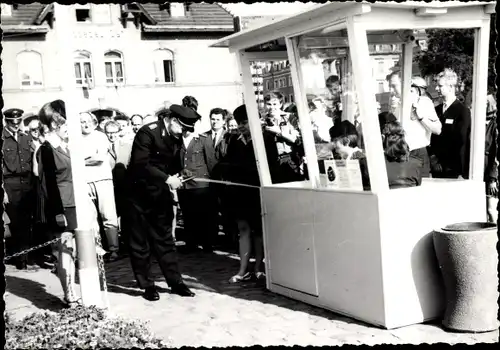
<point x="199" y="159"/>
<point x="17" y="156"/>
<point x="452" y="146"/>
<point x="155" y="156"/>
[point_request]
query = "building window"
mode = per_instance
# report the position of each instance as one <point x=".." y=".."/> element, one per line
<point x="275" y="84"/>
<point x="82" y="13"/>
<point x="6" y="10"/>
<point x="291" y="98"/>
<point x="164" y="66"/>
<point x="29" y="65"/>
<point x="101" y="14"/>
<point x="286" y="99"/>
<point x="93" y="13"/>
<point x="113" y="64"/>
<point x="381" y="67"/>
<point x="381" y="87"/>
<point x="83" y="69"/>
<point x="289" y="81"/>
<point x="268" y="85"/>
<point x="177" y="9"/>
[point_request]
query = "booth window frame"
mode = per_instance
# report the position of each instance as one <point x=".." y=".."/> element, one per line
<point x="359" y="19"/>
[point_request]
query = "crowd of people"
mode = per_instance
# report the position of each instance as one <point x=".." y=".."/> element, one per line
<point x="140" y="171"/>
<point x="137" y="174"/>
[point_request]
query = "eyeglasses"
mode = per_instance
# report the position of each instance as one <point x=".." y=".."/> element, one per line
<point x="34" y="130"/>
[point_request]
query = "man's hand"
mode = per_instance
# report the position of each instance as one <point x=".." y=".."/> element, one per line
<point x="492" y="189"/>
<point x="61" y="220"/>
<point x="435" y="166"/>
<point x="174" y="182"/>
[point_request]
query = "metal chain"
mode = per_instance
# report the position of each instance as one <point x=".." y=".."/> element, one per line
<point x="32" y="249"/>
<point x="102" y="271"/>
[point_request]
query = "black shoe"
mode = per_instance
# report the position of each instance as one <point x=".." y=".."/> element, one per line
<point x="187" y="249"/>
<point x="208" y="249"/>
<point x="151" y="294"/>
<point x="181" y="289"/>
<point x="22" y="265"/>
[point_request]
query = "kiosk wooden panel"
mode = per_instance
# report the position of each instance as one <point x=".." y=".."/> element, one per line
<point x="367" y="255"/>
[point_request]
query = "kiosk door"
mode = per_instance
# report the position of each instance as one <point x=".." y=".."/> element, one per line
<point x="290" y="238"/>
<point x="291" y="244"/>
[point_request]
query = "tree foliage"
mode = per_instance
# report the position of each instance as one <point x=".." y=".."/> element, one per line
<point x="454" y="48"/>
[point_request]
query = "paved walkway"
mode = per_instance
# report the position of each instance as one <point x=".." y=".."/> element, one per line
<point x="221" y="314"/>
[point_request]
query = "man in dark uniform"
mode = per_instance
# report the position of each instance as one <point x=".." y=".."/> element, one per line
<point x="152" y="174"/>
<point x="17" y="176"/>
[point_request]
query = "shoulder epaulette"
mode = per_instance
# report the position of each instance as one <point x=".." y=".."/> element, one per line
<point x="153" y="125"/>
<point x="203" y="135"/>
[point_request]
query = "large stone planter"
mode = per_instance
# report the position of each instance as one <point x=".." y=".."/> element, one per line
<point x="468" y="260"/>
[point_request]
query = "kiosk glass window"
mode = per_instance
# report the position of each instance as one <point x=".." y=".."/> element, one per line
<point x="418" y="82"/>
<point x="278" y="115"/>
<point x="328" y="81"/>
<point x="280" y="125"/>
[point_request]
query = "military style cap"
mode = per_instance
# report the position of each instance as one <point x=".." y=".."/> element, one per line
<point x="186" y="116"/>
<point x="13" y="114"/>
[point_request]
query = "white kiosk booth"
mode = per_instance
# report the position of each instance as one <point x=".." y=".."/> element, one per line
<point x="365" y="254"/>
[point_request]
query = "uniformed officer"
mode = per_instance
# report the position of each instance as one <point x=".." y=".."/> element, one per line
<point x="152" y="174"/>
<point x="17" y="172"/>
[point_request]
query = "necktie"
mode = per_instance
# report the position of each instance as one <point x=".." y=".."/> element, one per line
<point x="215" y="138"/>
<point x="113" y="150"/>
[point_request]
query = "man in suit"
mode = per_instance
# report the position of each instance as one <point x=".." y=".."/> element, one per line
<point x="119" y="152"/>
<point x="126" y="132"/>
<point x="450" y="151"/>
<point x="136" y="122"/>
<point x="18" y="184"/>
<point x="217" y="132"/>
<point x="197" y="199"/>
<point x="153" y="172"/>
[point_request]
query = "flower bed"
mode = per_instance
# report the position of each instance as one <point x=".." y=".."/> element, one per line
<point x="81" y="327"/>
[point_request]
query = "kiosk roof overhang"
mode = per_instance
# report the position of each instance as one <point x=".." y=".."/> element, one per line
<point x="332" y="12"/>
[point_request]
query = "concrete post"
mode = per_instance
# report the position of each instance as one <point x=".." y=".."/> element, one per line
<point x="87" y="259"/>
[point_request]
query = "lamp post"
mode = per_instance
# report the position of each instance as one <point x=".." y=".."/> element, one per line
<point x="85" y="242"/>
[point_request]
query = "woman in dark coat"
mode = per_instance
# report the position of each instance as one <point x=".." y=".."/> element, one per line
<point x="243" y="203"/>
<point x="402" y="170"/>
<point x="54" y="169"/>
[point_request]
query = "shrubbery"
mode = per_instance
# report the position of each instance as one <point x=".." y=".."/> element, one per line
<point x="80" y="327"/>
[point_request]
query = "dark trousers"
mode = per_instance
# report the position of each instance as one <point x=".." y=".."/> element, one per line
<point x="199" y="211"/>
<point x="421" y="155"/>
<point x="20" y="211"/>
<point x="149" y="230"/>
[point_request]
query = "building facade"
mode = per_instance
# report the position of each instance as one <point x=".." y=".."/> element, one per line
<point x="130" y="57"/>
